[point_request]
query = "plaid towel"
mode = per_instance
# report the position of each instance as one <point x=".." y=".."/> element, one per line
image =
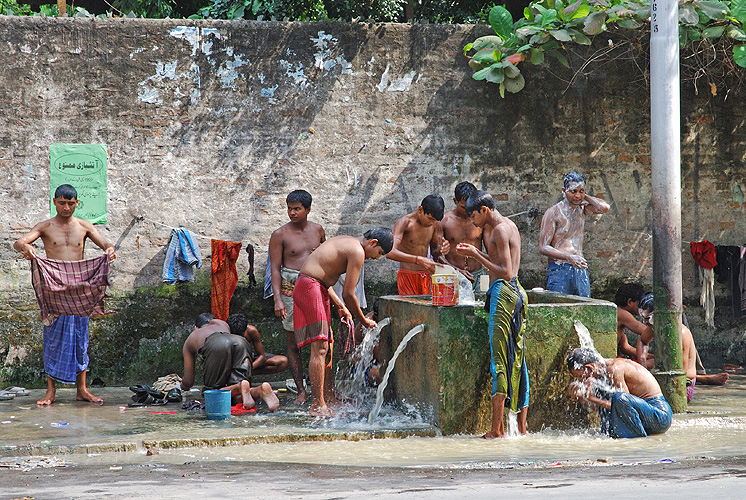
<point x="182" y="253"/>
<point x="70" y="288"/>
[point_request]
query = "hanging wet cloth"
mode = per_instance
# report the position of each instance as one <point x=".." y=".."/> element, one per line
<point x="224" y="276"/>
<point x="705" y="255"/>
<point x="181" y="254"/>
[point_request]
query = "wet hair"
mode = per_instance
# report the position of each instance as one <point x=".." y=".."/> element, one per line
<point x="627" y="292"/>
<point x="573" y="177"/>
<point x="66" y="191"/>
<point x="477" y="200"/>
<point x="646" y="302"/>
<point x="433" y="204"/>
<point x="581" y="356"/>
<point x="384" y="235"/>
<point x="237" y="323"/>
<point x="300" y="196"/>
<point x="203" y="319"/>
<point x="463" y="190"/>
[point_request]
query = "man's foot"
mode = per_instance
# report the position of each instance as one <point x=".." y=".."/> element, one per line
<point x="301" y="399"/>
<point x="48" y="398"/>
<point x="713" y="379"/>
<point x="732" y="368"/>
<point x="246" y="398"/>
<point x="269" y="397"/>
<point x="492" y="435"/>
<point x="321" y="411"/>
<point x="85" y="395"/>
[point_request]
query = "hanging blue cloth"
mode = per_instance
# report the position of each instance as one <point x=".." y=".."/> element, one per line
<point x="182" y="253"/>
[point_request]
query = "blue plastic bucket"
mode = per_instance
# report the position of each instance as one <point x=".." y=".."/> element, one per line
<point x="217" y="404"/>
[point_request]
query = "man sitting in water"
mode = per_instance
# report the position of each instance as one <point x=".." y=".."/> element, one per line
<point x="689" y="351"/>
<point x="311" y="296"/>
<point x="227" y="362"/>
<point x="636" y="405"/>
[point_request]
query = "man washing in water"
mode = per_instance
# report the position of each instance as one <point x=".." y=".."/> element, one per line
<point x="227" y="362"/>
<point x="561" y="237"/>
<point x="311" y="296"/>
<point x="289" y="247"/>
<point x="416" y="235"/>
<point x="458" y="228"/>
<point x="66" y="338"/>
<point x="635" y="406"/>
<point x="507" y="303"/>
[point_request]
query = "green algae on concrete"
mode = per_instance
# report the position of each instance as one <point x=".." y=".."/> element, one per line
<point x="444" y="371"/>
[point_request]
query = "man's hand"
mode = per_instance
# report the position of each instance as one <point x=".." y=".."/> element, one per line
<point x="280" y="311"/>
<point x="369" y="323"/>
<point x="466" y="249"/>
<point x="112" y="253"/>
<point x="28" y="251"/>
<point x="345" y="314"/>
<point x="428" y="264"/>
<point x="445" y="247"/>
<point x="577" y="261"/>
<point x="577" y="390"/>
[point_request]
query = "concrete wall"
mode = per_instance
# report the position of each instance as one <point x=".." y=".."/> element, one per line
<point x="210" y="124"/>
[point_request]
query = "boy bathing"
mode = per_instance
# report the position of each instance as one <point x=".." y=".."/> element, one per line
<point x="289" y="247"/>
<point x="417" y="235"/>
<point x="312" y="294"/>
<point x="507" y="304"/>
<point x="66" y="336"/>
<point x="457" y="228"/>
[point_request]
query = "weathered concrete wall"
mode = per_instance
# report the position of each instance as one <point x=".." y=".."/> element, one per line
<point x="210" y="124"/>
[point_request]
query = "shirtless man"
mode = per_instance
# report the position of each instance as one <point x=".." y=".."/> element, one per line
<point x="289" y="246"/>
<point x="689" y="350"/>
<point x="414" y="235"/>
<point x="311" y="296"/>
<point x="457" y="228"/>
<point x="262" y="363"/>
<point x="227" y="363"/>
<point x="561" y="237"/>
<point x="626" y="299"/>
<point x="635" y="407"/>
<point x="507" y="304"/>
<point x="64" y="238"/>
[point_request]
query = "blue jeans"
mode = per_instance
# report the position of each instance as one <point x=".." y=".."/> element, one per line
<point x="565" y="278"/>
<point x="633" y="417"/>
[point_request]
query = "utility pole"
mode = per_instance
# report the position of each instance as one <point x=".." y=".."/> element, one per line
<point x="665" y="145"/>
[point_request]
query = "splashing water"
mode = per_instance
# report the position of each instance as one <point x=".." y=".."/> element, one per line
<point x="584" y="335"/>
<point x="379" y="395"/>
<point x="355" y="384"/>
<point x="600" y="386"/>
<point x="511" y="430"/>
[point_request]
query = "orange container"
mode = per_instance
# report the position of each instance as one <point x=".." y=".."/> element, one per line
<point x="445" y="289"/>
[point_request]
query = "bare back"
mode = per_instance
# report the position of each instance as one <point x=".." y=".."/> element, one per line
<point x="197" y="338"/>
<point x="461" y="230"/>
<point x="689" y="352"/>
<point x="562" y="229"/>
<point x="341" y="254"/>
<point x="634" y="378"/>
<point x="503" y="247"/>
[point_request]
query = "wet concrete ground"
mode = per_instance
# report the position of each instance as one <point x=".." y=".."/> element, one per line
<point x="104" y="452"/>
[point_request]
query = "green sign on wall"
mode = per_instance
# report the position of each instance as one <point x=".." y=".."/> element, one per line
<point x="83" y="166"/>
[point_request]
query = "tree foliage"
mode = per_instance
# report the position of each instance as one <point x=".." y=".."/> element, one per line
<point x="548" y="27"/>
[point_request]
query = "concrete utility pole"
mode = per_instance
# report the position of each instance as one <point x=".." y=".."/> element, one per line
<point x="665" y="145"/>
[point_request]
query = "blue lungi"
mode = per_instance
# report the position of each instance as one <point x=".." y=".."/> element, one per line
<point x="66" y="348"/>
<point x="632" y="417"/>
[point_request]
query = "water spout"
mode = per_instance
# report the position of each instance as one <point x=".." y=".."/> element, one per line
<point x="379" y="395"/>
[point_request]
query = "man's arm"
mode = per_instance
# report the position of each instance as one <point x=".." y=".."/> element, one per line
<point x="399" y="256"/>
<point x="187" y="381"/>
<point x="99" y="240"/>
<point x="595" y="205"/>
<point x="275" y="259"/>
<point x="584" y="392"/>
<point x="24" y="243"/>
<point x="354" y="265"/>
<point x="252" y="335"/>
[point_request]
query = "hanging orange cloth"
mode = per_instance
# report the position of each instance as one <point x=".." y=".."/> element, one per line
<point x="224" y="276"/>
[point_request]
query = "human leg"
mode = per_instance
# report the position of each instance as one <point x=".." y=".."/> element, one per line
<point x="582" y="282"/>
<point x="317" y="373"/>
<point x="48" y="398"/>
<point x="497" y="429"/>
<point x="296" y="369"/>
<point x="273" y="363"/>
<point x="241" y="393"/>
<point x="713" y="378"/>
<point x="83" y="394"/>
<point x="265" y="392"/>
<point x="635" y="417"/>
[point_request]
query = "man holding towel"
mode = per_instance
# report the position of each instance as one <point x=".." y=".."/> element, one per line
<point x="66" y="321"/>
